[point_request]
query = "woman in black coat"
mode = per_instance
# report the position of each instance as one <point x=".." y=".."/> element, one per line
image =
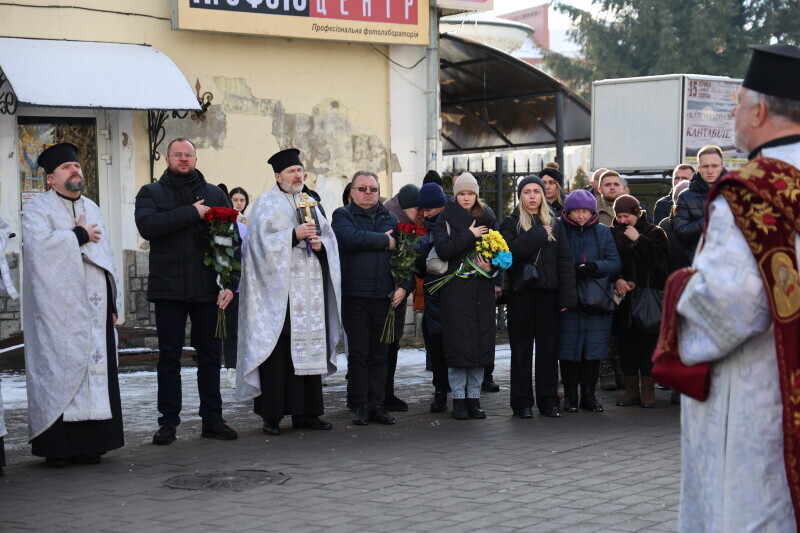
<point x="534" y="236"/>
<point x="643" y="248"/>
<point x="468" y="311"/>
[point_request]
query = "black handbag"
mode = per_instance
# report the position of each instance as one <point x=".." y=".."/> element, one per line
<point x="528" y="276"/>
<point x="646" y="308"/>
<point x="596" y="296"/>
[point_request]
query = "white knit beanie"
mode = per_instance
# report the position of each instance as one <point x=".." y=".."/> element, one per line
<point x="466" y="182"/>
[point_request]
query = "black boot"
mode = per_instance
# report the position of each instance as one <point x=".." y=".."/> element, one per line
<point x="439" y="403"/>
<point x="474" y="408"/>
<point x="571" y="398"/>
<point x="460" y="409"/>
<point x="588" y="401"/>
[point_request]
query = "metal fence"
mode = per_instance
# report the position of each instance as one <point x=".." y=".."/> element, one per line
<point x="498" y="187"/>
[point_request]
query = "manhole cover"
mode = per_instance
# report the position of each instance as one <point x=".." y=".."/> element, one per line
<point x="226" y="480"/>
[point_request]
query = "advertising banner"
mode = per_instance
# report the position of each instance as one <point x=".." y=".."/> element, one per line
<point x="369" y="21"/>
<point x="708" y="119"/>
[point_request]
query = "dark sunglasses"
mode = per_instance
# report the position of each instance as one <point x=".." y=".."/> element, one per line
<point x="364" y="188"/>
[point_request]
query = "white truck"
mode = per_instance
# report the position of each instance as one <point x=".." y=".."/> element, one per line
<point x="643" y="127"/>
<point x="650" y="124"/>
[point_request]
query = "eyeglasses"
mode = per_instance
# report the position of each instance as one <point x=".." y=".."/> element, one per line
<point x="365" y="189"/>
<point x="180" y="155"/>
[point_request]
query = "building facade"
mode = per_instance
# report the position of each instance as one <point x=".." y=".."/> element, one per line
<point x="347" y="104"/>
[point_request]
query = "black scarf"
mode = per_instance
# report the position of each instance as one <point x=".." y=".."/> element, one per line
<point x="184" y="185"/>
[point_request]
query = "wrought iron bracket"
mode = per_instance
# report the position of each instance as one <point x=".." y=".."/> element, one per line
<point x="156" y="119"/>
<point x="8" y="100"/>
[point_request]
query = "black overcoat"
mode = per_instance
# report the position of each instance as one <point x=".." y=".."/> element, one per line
<point x="468" y="304"/>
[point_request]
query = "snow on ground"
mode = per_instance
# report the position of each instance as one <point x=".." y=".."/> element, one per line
<point x="139" y="399"/>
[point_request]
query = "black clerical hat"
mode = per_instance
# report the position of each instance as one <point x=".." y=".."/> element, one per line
<point x="56" y="155"/>
<point x="774" y="70"/>
<point x="285" y="159"/>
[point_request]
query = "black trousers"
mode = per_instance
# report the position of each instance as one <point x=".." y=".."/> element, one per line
<point x="635" y="352"/>
<point x="230" y="345"/>
<point x="394" y="348"/>
<point x="366" y="355"/>
<point x="533" y="316"/>
<point x="171" y="325"/>
<point x="2" y="453"/>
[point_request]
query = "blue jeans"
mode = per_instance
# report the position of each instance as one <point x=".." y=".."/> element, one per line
<point x="465" y="379"/>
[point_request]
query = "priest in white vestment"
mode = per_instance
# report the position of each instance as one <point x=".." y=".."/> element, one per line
<point x="6" y="289"/>
<point x="734" y="476"/>
<point x="290" y="302"/>
<point x="69" y="311"/>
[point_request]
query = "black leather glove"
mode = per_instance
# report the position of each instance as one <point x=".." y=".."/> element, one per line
<point x="584" y="270"/>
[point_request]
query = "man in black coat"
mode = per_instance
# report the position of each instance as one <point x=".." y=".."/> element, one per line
<point x="169" y="214"/>
<point x="690" y="210"/>
<point x="364" y="230"/>
<point x="431" y="203"/>
<point x="664" y="205"/>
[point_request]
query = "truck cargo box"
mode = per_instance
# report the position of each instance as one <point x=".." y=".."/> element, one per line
<point x="650" y="124"/>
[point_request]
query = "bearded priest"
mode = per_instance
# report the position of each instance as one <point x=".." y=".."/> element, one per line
<point x="70" y="310"/>
<point x="290" y="301"/>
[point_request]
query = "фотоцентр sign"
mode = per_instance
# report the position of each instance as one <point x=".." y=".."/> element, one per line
<point x="374" y="21"/>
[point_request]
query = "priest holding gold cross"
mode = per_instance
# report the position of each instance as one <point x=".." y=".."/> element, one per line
<point x="290" y="302"/>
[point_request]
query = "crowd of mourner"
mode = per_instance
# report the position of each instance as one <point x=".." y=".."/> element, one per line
<point x="270" y="286"/>
<point x="592" y="279"/>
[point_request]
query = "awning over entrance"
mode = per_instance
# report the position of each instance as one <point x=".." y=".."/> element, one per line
<point x="50" y="73"/>
<point x="493" y="101"/>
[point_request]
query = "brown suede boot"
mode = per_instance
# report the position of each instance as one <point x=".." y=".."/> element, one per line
<point x="648" y="392"/>
<point x="631" y="396"/>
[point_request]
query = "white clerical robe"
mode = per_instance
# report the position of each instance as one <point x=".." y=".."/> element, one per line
<point x="273" y="273"/>
<point x="733" y="477"/>
<point x="64" y="311"/>
<point x="6" y="289"/>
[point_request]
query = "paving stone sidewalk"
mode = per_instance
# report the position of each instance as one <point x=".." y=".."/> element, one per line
<point x="614" y="471"/>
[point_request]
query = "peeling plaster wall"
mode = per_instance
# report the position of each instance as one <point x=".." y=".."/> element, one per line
<point x="332" y="140"/>
<point x="329" y="99"/>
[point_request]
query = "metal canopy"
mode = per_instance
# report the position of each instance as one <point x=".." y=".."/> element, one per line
<point x="52" y="73"/>
<point x="491" y="100"/>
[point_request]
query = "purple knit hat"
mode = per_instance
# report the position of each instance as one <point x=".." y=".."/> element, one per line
<point x="580" y="199"/>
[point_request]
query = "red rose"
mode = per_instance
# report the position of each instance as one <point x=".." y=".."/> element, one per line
<point x="420" y="230"/>
<point x="221" y="214"/>
<point x="405" y="228"/>
<point x="769" y="219"/>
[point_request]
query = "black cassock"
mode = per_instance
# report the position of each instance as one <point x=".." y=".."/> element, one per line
<point x="283" y="392"/>
<point x="88" y="438"/>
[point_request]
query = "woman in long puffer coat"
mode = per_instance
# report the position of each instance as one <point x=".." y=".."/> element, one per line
<point x="585" y="330"/>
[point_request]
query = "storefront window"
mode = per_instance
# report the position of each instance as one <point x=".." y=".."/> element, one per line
<point x="37" y="132"/>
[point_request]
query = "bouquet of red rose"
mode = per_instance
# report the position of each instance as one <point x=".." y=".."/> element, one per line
<point x="220" y="254"/>
<point x="402" y="263"/>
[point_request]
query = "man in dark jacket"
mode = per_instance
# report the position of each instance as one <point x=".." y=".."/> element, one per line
<point x="664" y="205"/>
<point x="431" y="202"/>
<point x="364" y="232"/>
<point x="404" y="206"/>
<point x="690" y="210"/>
<point x="169" y="214"/>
